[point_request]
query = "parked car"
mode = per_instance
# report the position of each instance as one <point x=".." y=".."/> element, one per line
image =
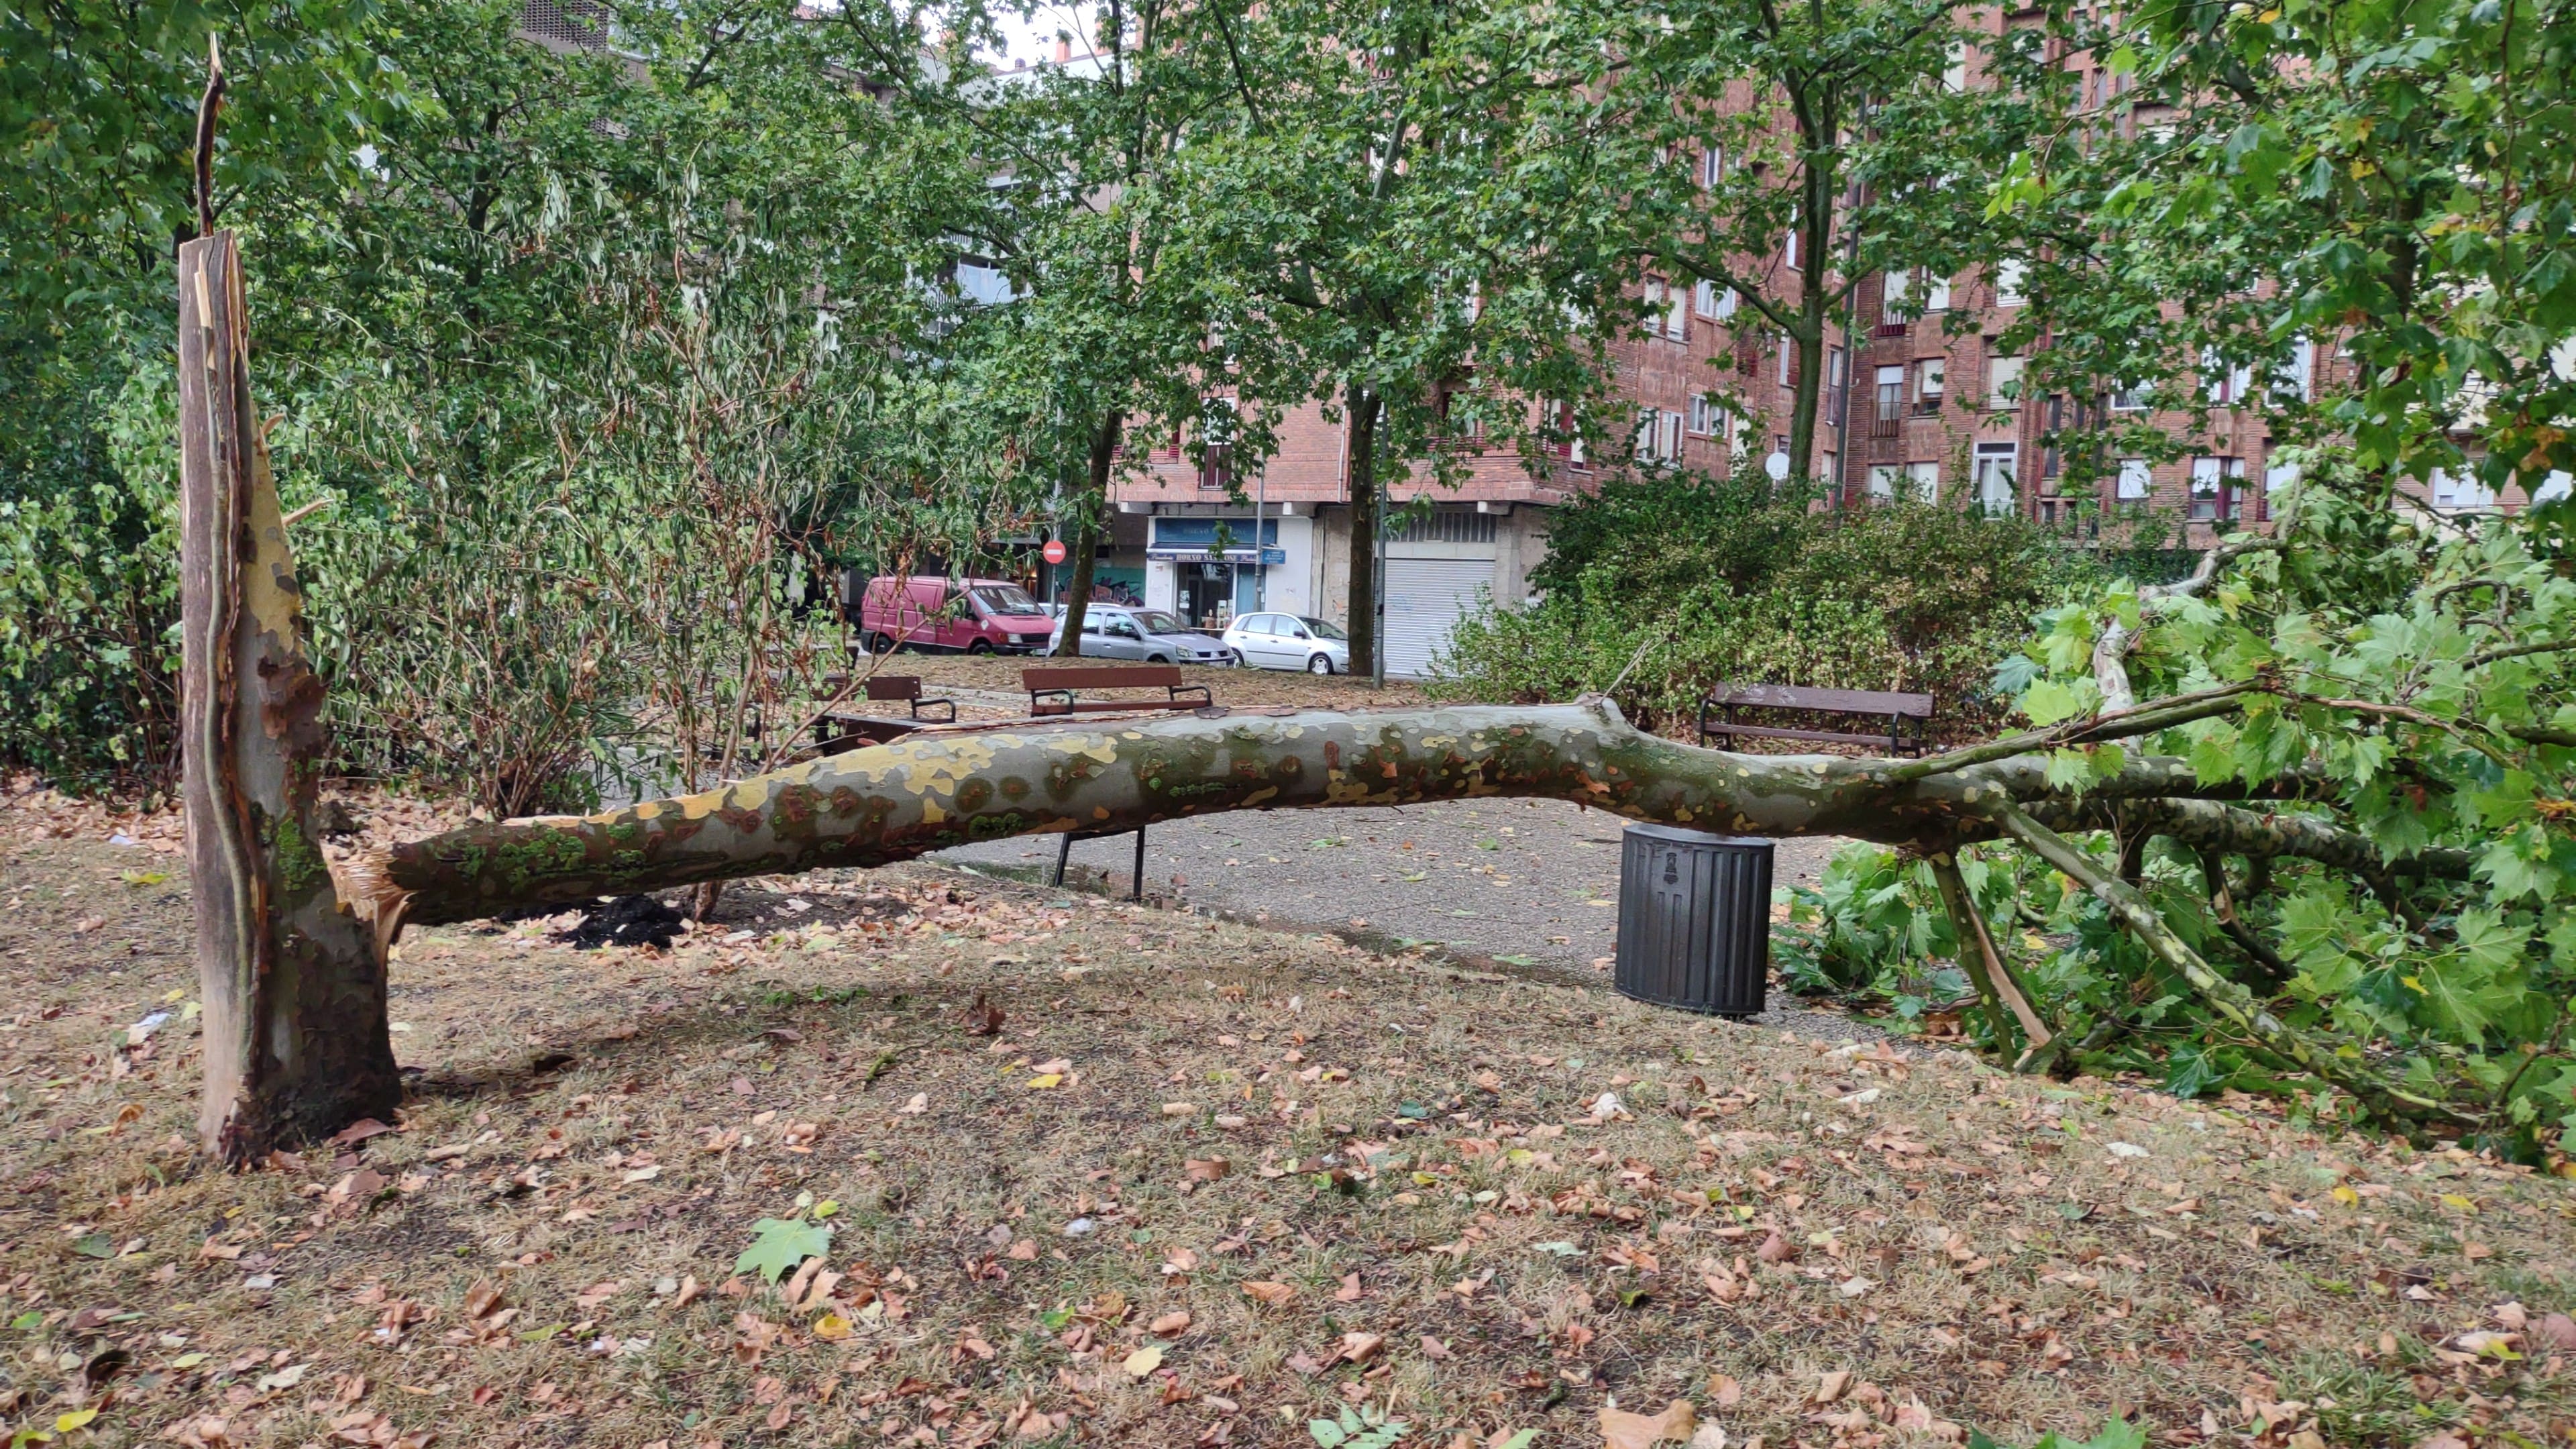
<point x="975" y="616"/>
<point x="1290" y="641"/>
<point x="1113" y="631"/>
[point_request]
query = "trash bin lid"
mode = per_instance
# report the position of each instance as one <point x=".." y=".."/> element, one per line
<point x="1681" y="835"/>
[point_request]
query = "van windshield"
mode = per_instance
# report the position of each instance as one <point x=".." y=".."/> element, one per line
<point x="1003" y="599"/>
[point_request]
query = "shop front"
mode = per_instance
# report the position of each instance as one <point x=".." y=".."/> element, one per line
<point x="1208" y="569"/>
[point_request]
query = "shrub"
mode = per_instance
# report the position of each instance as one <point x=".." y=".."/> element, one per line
<point x="1731" y="579"/>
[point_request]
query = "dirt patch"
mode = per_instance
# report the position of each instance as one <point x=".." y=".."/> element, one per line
<point x="1205" y="1183"/>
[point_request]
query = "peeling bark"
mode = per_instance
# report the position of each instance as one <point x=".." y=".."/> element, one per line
<point x="896" y="801"/>
<point x="293" y="985"/>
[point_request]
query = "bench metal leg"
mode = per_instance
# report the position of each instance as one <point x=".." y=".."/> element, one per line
<point x="1138" y="893"/>
<point x="1063" y="853"/>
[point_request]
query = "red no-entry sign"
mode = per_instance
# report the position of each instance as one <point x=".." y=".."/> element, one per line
<point x="1054" y="551"/>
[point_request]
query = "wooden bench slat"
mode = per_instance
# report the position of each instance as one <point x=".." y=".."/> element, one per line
<point x="1832" y="701"/>
<point x="1768" y="732"/>
<point x="1102" y="676"/>
<point x="1109" y="706"/>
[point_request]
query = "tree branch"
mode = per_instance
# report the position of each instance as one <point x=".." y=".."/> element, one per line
<point x="2230" y="1001"/>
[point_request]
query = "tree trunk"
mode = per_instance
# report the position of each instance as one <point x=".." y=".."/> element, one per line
<point x="1093" y="518"/>
<point x="293" y="984"/>
<point x="893" y="802"/>
<point x="1366" y="647"/>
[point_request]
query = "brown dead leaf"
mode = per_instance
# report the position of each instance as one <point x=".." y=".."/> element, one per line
<point x="1725" y="1390"/>
<point x="1275" y="1294"/>
<point x="1170" y="1325"/>
<point x="1207" y="1169"/>
<point x="1832" y="1387"/>
<point x="1776" y="1249"/>
<point x="1357" y="1347"/>
<point x="1434" y="1350"/>
<point x="1350" y="1290"/>
<point x="482" y="1300"/>
<point x="983" y="1018"/>
<point x="1623" y="1430"/>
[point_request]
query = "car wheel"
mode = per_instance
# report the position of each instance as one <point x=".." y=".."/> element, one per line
<point x="1320" y="664"/>
<point x="980" y="646"/>
<point x="1158" y="659"/>
<point x="880" y="643"/>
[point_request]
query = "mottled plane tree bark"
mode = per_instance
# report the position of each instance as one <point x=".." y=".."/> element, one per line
<point x="293" y="983"/>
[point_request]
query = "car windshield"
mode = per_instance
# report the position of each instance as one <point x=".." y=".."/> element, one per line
<point x="1004" y="599"/>
<point x="1325" y="629"/>
<point x="1155" y="621"/>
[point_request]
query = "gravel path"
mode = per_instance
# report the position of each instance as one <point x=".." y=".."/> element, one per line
<point x="1526" y="886"/>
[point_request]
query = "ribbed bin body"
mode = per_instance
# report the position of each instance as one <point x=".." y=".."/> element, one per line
<point x="1694" y="919"/>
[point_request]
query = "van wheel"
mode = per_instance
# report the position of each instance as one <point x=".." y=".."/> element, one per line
<point x="980" y="646"/>
<point x="1320" y="664"/>
<point x="880" y="643"/>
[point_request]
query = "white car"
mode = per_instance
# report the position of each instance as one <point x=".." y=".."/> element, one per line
<point x="1289" y="641"/>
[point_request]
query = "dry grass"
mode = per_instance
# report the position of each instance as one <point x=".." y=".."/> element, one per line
<point x="1413" y="1153"/>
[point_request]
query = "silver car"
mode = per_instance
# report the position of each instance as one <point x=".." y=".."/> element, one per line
<point x="1114" y="631"/>
<point x="1290" y="641"/>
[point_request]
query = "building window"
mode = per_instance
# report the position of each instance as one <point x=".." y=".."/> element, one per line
<point x="2137" y="481"/>
<point x="1894" y="295"/>
<point x="1668" y="311"/>
<point x="1924" y="479"/>
<point x="1833" y="367"/>
<point x="2461" y="491"/>
<point x="1789" y="249"/>
<point x="1216" y="443"/>
<point x="2217" y="489"/>
<point x="1707" y="415"/>
<point x="2003" y="382"/>
<point x="2295" y="379"/>
<point x="1891" y="401"/>
<point x="2129" y="397"/>
<point x="1997" y="484"/>
<point x="1659" y="436"/>
<point x="2226" y="385"/>
<point x="1882" y="481"/>
<point x="1715" y="302"/>
<point x="1928" y="375"/>
<point x="1712" y="166"/>
<point x="1936" y="294"/>
<point x="1788" y="360"/>
<point x="2011" y="274"/>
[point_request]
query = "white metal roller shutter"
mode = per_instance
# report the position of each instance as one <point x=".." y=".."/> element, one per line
<point x="1424" y="597"/>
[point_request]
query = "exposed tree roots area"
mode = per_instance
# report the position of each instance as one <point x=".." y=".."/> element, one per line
<point x="1205" y="1184"/>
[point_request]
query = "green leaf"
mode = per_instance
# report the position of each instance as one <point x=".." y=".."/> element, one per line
<point x="1326" y="1433"/>
<point x="779" y="1244"/>
<point x="95" y="1245"/>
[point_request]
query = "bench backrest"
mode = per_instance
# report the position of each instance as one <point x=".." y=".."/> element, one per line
<point x="1101" y="676"/>
<point x="894" y="686"/>
<point x="1838" y="701"/>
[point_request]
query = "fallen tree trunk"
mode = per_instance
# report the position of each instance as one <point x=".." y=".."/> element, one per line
<point x="893" y="802"/>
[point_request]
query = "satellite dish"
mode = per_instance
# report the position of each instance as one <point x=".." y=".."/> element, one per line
<point x="1777" y="465"/>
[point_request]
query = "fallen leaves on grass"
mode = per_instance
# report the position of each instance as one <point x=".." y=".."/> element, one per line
<point x="1277" y="1295"/>
<point x="1623" y="1430"/>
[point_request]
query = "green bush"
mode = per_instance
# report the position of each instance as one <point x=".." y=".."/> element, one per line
<point x="1734" y="580"/>
<point x="89" y="585"/>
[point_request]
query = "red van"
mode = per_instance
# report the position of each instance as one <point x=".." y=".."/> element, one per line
<point x="975" y="616"/>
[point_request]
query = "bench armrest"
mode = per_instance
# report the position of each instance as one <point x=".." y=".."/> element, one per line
<point x="1062" y="699"/>
<point x="1175" y="691"/>
<point x="919" y="705"/>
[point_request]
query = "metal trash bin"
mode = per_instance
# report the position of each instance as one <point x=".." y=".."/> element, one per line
<point x="1694" y="919"/>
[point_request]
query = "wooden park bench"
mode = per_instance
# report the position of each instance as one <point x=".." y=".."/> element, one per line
<point x="1895" y="708"/>
<point x="1052" y="689"/>
<point x="835" y="731"/>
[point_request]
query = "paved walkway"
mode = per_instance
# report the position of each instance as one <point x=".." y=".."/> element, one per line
<point x="1529" y="884"/>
